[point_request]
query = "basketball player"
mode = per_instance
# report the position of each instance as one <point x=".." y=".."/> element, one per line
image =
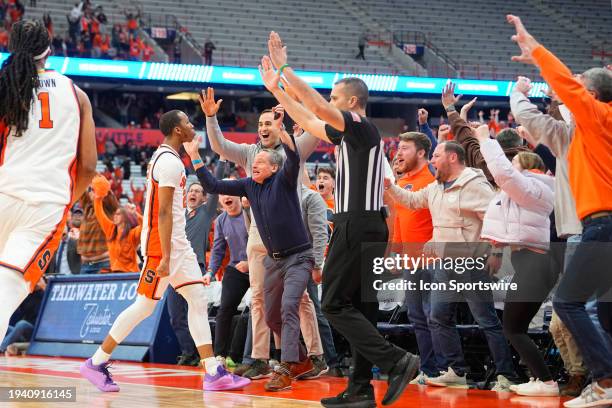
<point x="47" y="159"/>
<point x="169" y="260"/>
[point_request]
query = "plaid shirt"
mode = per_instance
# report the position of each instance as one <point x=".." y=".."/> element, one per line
<point x="92" y="242"/>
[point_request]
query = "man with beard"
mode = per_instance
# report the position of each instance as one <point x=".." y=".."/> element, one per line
<point x="411" y="228"/>
<point x="269" y="129"/>
<point x="457" y="200"/>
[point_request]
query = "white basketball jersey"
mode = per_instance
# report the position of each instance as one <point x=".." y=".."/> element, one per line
<point x="165" y="170"/>
<point x="40" y="165"/>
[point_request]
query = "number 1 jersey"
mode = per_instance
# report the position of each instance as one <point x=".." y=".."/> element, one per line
<point x="40" y="165"/>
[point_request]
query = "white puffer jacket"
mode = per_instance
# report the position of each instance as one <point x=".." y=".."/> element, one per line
<point x="519" y="214"/>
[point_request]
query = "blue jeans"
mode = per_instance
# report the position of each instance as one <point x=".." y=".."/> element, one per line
<point x="447" y="343"/>
<point x="22" y="331"/>
<point x="94" y="267"/>
<point x="418" y="307"/>
<point x="327" y="338"/>
<point x="587" y="275"/>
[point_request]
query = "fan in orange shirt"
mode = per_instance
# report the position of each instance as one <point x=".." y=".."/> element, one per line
<point x="122" y="232"/>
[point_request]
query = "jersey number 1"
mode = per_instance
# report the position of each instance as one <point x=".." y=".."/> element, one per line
<point x="45" y="122"/>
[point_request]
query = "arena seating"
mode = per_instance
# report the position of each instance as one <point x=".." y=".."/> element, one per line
<point x="477" y="38"/>
<point x="474" y="37"/>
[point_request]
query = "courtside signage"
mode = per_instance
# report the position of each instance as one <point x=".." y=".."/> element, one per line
<point x="155" y="71"/>
<point x="83" y="311"/>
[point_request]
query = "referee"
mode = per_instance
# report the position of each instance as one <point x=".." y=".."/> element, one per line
<point x="359" y="224"/>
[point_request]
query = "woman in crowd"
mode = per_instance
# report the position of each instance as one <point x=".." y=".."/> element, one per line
<point x="122" y="231"/>
<point x="518" y="217"/>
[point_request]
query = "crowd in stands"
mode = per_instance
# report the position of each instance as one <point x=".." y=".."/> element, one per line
<point x="89" y="34"/>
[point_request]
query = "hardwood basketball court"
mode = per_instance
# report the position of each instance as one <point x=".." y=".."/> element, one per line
<point x="158" y="385"/>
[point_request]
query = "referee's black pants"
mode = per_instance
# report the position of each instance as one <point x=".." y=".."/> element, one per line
<point x="349" y="299"/>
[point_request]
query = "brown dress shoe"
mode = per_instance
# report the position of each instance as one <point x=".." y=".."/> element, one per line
<point x="574" y="386"/>
<point x="281" y="378"/>
<point x="301" y="369"/>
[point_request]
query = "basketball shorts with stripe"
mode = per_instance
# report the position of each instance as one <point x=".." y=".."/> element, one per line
<point x="29" y="235"/>
<point x="184" y="270"/>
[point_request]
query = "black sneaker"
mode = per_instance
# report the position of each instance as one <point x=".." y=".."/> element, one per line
<point x="191" y="360"/>
<point x="399" y="376"/>
<point x="361" y="398"/>
<point x="259" y="369"/>
<point x="320" y="368"/>
<point x="335" y="372"/>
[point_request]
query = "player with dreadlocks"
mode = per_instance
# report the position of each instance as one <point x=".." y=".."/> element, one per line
<point x="47" y="160"/>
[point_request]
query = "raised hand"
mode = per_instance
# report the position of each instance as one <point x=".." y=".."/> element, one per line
<point x="466" y="108"/>
<point x="289" y="89"/>
<point x="207" y="102"/>
<point x="448" y="95"/>
<point x="269" y="77"/>
<point x="277" y="51"/>
<point x="523" y="39"/>
<point x="423" y="115"/>
<point x="482" y="133"/>
<point x="100" y="186"/>
<point x="193" y="148"/>
<point x="523" y="85"/>
<point x="443" y="132"/>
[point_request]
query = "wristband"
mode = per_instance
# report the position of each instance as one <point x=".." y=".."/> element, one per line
<point x="196" y="161"/>
<point x="280" y="70"/>
<point x="450" y="108"/>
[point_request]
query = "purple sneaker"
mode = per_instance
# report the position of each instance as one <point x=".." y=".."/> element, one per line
<point x="99" y="376"/>
<point x="224" y="380"/>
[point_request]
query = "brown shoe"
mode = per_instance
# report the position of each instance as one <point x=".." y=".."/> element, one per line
<point x="281" y="378"/>
<point x="574" y="386"/>
<point x="301" y="369"/>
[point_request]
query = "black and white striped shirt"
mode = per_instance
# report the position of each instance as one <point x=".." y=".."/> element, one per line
<point x="361" y="171"/>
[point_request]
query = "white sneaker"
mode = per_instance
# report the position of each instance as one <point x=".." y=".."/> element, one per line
<point x="503" y="384"/>
<point x="537" y="388"/>
<point x="448" y="379"/>
<point x="592" y="396"/>
<point x="420" y="379"/>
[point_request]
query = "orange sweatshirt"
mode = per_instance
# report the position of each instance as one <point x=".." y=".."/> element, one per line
<point x="122" y="253"/>
<point x="413" y="225"/>
<point x="590" y="152"/>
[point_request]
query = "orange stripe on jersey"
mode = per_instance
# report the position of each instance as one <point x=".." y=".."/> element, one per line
<point x="153" y="247"/>
<point x="39" y="262"/>
<point x="148" y="282"/>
